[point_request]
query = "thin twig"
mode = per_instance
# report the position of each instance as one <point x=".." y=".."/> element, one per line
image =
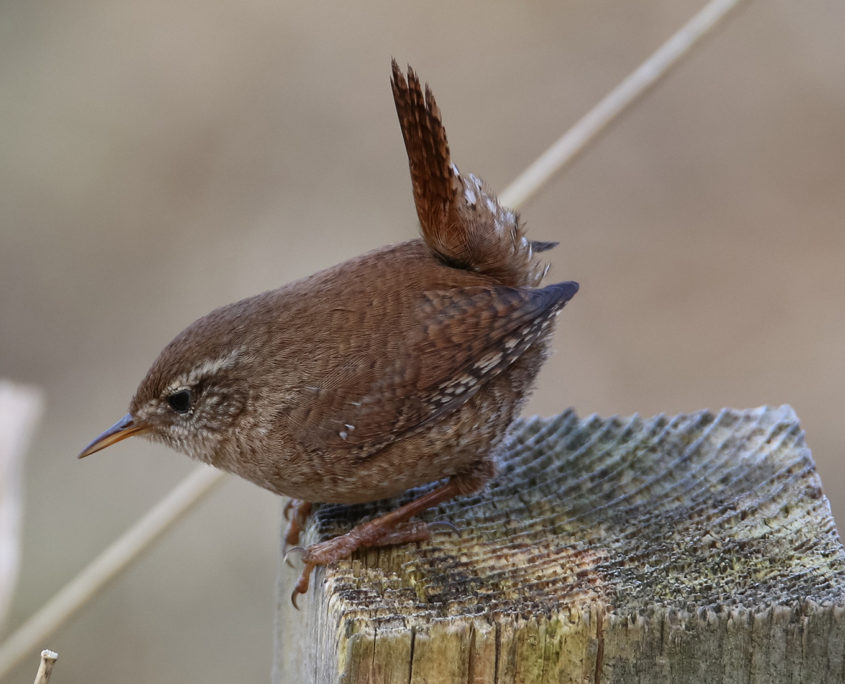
<point x="48" y="659"/>
<point x="114" y="559"/>
<point x="578" y="138"/>
<point x="107" y="566"/>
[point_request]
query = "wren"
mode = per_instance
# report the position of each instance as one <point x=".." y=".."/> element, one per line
<point x="397" y="368"/>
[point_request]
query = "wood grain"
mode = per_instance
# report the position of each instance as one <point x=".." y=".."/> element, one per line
<point x="694" y="548"/>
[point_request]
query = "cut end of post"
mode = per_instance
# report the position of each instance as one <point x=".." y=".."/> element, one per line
<point x="702" y="540"/>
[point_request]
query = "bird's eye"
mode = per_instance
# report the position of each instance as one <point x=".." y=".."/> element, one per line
<point x="180" y="401"/>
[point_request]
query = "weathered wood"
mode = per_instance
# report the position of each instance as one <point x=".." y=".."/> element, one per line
<point x="672" y="549"/>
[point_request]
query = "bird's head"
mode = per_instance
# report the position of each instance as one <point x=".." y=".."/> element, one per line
<point x="190" y="399"/>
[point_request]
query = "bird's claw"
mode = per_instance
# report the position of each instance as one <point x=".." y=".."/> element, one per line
<point x="293" y="549"/>
<point x="302" y="583"/>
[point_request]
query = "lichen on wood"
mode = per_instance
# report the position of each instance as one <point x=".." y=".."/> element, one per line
<point x="697" y="547"/>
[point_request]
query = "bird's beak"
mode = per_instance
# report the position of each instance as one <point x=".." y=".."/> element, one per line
<point x="125" y="427"/>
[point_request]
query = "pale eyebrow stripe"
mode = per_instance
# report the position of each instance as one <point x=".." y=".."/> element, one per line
<point x="204" y="369"/>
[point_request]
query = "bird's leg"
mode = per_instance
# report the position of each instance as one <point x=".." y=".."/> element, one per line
<point x="296" y="512"/>
<point x="385" y="530"/>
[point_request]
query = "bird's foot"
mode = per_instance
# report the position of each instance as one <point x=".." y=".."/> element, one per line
<point x="390" y="528"/>
<point x="296" y="512"/>
<point x="366" y="535"/>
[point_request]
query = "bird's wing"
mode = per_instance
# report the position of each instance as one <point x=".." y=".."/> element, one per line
<point x="462" y="338"/>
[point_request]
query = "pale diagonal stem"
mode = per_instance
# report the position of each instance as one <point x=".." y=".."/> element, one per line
<point x="103" y="569"/>
<point x="577" y="139"/>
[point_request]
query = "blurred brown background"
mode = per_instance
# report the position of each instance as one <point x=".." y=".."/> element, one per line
<point x="158" y="159"/>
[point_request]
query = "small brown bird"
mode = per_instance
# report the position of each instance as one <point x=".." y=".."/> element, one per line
<point x="402" y="366"/>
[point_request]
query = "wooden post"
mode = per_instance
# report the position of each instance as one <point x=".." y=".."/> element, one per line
<point x="692" y="548"/>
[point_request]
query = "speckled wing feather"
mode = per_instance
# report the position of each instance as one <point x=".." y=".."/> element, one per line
<point x="465" y="338"/>
<point x="460" y="218"/>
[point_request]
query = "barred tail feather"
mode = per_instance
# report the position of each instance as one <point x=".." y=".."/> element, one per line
<point x="460" y="219"/>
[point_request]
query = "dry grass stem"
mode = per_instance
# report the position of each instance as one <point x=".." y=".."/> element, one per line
<point x="105" y="567"/>
<point x="48" y="659"/>
<point x="619" y="100"/>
